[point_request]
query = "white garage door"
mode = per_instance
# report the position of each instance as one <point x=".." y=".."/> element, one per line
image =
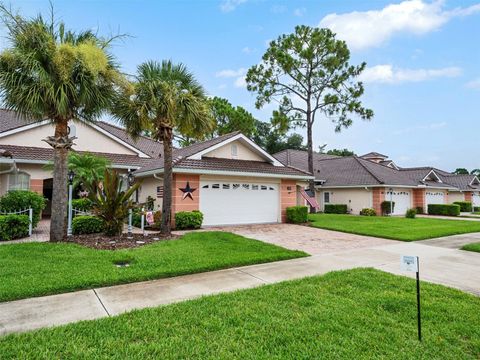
<point x="476" y="199"/>
<point x="434" y="197"/>
<point x="401" y="199"/>
<point x="226" y="203"/>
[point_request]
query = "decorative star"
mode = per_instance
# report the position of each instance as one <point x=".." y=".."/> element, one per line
<point x="187" y="191"/>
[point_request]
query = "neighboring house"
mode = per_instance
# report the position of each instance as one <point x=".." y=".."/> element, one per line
<point x="230" y="179"/>
<point x="368" y="180"/>
<point x="23" y="154"/>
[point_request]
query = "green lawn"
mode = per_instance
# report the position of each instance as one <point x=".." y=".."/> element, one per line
<point x="397" y="228"/>
<point x="36" y="269"/>
<point x="472" y="247"/>
<point x="356" y="314"/>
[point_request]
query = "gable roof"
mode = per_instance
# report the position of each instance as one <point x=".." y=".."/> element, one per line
<point x="373" y="154"/>
<point x="462" y="182"/>
<point x="299" y="158"/>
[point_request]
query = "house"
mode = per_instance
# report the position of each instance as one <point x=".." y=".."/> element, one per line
<point x="368" y="180"/>
<point x="229" y="178"/>
<point x="23" y="154"/>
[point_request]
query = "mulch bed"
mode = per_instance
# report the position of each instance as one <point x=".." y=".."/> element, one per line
<point x="102" y="242"/>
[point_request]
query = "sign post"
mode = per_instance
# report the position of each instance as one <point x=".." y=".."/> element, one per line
<point x="411" y="263"/>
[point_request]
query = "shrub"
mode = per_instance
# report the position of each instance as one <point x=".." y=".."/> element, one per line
<point x="465" y="206"/>
<point x="443" y="209"/>
<point x="388" y="207"/>
<point x="83" y="204"/>
<point x="297" y="214"/>
<point x="335" y="209"/>
<point x="22" y="199"/>
<point x="13" y="226"/>
<point x="188" y="220"/>
<point x="411" y="213"/>
<point x="87" y="224"/>
<point x="368" y="212"/>
<point x="420" y="210"/>
<point x="476" y="209"/>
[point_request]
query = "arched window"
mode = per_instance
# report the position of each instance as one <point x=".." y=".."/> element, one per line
<point x="19" y="181"/>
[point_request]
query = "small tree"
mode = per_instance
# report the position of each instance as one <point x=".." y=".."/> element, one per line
<point x="111" y="203"/>
<point x="308" y="73"/>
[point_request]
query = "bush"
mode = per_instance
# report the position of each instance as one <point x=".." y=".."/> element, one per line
<point x="188" y="220"/>
<point x="465" y="206"/>
<point x="476" y="209"/>
<point x="22" y="199"/>
<point x="411" y="213"/>
<point x="335" y="209"/>
<point x="442" y="209"/>
<point x="13" y="226"/>
<point x="420" y="210"/>
<point x="368" y="212"/>
<point x="83" y="204"/>
<point x="297" y="214"/>
<point x="388" y="207"/>
<point x="87" y="224"/>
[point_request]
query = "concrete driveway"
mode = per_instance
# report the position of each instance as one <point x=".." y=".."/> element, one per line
<point x="312" y="240"/>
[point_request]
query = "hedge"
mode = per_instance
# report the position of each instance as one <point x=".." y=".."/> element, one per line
<point x="411" y="213"/>
<point x="335" y="209"/>
<point x="476" y="209"/>
<point x="13" y="226"/>
<point x="188" y="220"/>
<point x="420" y="210"/>
<point x="297" y="214"/>
<point x="443" y="209"/>
<point x="15" y="200"/>
<point x="465" y="206"/>
<point x="83" y="204"/>
<point x="368" y="212"/>
<point x="388" y="207"/>
<point x="87" y="224"/>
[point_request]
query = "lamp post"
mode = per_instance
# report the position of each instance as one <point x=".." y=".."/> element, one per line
<point x="71" y="176"/>
<point x="391" y="201"/>
<point x="130" y="181"/>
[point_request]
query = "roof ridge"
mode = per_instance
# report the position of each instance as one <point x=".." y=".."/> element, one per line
<point x="368" y="170"/>
<point x="125" y="130"/>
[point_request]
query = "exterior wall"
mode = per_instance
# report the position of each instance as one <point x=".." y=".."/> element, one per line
<point x="36" y="185"/>
<point x="187" y="204"/>
<point x="36" y="171"/>
<point x="378" y="196"/>
<point x="243" y="152"/>
<point x="468" y="196"/>
<point x="149" y="188"/>
<point x="288" y="196"/>
<point x="418" y="196"/>
<point x="356" y="199"/>
<point x="89" y="139"/>
<point x="455" y="196"/>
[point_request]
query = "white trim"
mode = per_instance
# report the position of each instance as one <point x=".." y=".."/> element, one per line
<point x="474" y="178"/>
<point x="24" y="128"/>
<point x="113" y="137"/>
<point x="258" y="149"/>
<point x="223" y="172"/>
<point x="43" y="162"/>
<point x="384" y="186"/>
<point x="433" y="171"/>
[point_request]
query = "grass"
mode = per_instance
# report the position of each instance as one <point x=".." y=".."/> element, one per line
<point x="475" y="247"/>
<point x="396" y="228"/>
<point x="37" y="269"/>
<point x="355" y="314"/>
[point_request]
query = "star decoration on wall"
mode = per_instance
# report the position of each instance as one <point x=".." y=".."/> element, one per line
<point x="187" y="191"/>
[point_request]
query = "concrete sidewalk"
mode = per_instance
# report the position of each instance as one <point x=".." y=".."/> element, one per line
<point x="455" y="268"/>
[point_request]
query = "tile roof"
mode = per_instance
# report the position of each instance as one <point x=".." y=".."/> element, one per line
<point x="46" y="154"/>
<point x="10" y="120"/>
<point x="299" y="158"/>
<point x="373" y="154"/>
<point x="462" y="182"/>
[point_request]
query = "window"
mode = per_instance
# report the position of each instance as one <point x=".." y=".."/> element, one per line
<point x="236" y="186"/>
<point x="19" y="181"/>
<point x="263" y="187"/>
<point x="225" y="186"/>
<point x="205" y="186"/>
<point x="216" y="186"/>
<point x="246" y="186"/>
<point x="254" y="187"/>
<point x="271" y="188"/>
<point x="234" y="151"/>
<point x="326" y="197"/>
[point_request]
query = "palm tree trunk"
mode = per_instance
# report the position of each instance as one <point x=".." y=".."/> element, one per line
<point x="167" y="139"/>
<point x="58" y="225"/>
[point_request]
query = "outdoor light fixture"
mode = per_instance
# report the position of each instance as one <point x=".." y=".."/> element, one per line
<point x="71" y="175"/>
<point x="130" y="178"/>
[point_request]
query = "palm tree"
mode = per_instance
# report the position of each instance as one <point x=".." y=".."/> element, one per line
<point x="50" y="73"/>
<point x="163" y="98"/>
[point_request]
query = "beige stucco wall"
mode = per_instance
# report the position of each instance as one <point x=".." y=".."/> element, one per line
<point x="356" y="199"/>
<point x="149" y="188"/>
<point x="36" y="171"/>
<point x="455" y="196"/>
<point x="89" y="139"/>
<point x="243" y="152"/>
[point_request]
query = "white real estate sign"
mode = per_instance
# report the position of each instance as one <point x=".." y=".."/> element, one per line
<point x="409" y="263"/>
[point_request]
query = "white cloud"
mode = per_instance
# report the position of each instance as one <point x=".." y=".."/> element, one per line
<point x="387" y="74"/>
<point x="229" y="73"/>
<point x="364" y="29"/>
<point x="247" y="50"/>
<point x="230" y="5"/>
<point x="474" y="84"/>
<point x="240" y="82"/>
<point x="299" y="11"/>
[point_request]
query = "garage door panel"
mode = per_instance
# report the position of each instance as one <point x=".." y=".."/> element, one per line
<point x="224" y="203"/>
<point x="434" y="197"/>
<point x="476" y="199"/>
<point x="402" y="200"/>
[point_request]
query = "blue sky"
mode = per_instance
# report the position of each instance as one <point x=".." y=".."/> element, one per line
<point x="422" y="78"/>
